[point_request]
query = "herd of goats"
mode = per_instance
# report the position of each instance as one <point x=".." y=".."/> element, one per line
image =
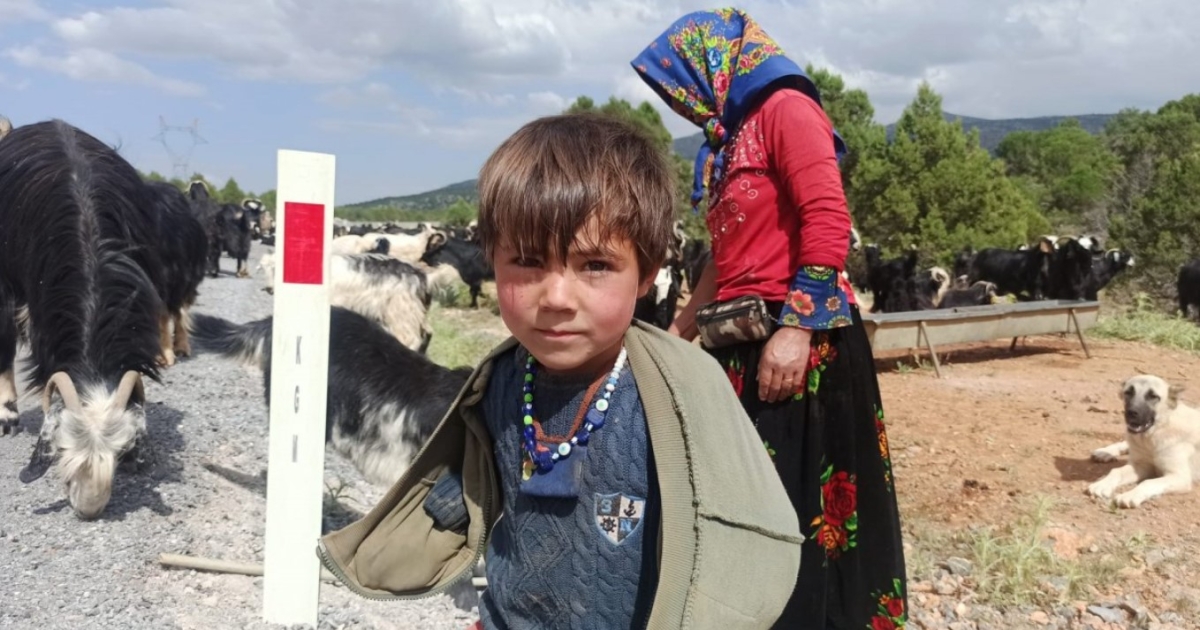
<point x="99" y="268"/>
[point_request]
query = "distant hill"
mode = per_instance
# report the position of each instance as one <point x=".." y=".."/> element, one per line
<point x="991" y="132"/>
<point x="432" y="200"/>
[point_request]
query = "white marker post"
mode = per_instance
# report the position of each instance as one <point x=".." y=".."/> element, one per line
<point x="299" y="376"/>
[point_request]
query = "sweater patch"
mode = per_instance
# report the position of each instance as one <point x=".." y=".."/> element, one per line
<point x="618" y="516"/>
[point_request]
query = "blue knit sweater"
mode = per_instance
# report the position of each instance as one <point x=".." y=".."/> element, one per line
<point x="571" y="563"/>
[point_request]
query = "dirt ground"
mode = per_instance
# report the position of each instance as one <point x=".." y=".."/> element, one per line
<point x="1002" y="429"/>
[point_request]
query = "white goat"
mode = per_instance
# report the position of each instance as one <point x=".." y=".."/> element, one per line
<point x="388" y="291"/>
<point x="410" y="247"/>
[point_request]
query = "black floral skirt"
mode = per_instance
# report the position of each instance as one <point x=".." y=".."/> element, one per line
<point x="831" y="451"/>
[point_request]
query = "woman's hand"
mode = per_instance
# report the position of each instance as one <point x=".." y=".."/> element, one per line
<point x="783" y="362"/>
<point x="704" y="292"/>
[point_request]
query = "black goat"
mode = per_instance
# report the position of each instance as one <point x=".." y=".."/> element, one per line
<point x="1189" y="288"/>
<point x="209" y="213"/>
<point x="962" y="261"/>
<point x="659" y="304"/>
<point x="925" y="290"/>
<point x="696" y="255"/>
<point x="384" y="399"/>
<point x="79" y="253"/>
<point x="183" y="250"/>
<point x="978" y="294"/>
<point x="1069" y="269"/>
<point x="465" y="257"/>
<point x="262" y="225"/>
<point x="888" y="281"/>
<point x="236" y="231"/>
<point x="1104" y="269"/>
<point x="1019" y="272"/>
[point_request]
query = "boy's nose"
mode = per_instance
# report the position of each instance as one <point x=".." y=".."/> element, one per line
<point x="556" y="292"/>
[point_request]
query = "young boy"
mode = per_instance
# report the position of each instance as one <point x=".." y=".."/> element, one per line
<point x="605" y="467"/>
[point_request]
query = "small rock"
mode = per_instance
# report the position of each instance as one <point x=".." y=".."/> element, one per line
<point x="1172" y="617"/>
<point x="1130" y="573"/>
<point x="1107" y="614"/>
<point x="958" y="566"/>
<point x="1040" y="618"/>
<point x="962" y="610"/>
<point x="1153" y="558"/>
<point x="946" y="587"/>
<point x="1095" y="409"/>
<point x="1066" y="544"/>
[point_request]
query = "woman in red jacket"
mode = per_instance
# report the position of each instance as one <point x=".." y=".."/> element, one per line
<point x="780" y="230"/>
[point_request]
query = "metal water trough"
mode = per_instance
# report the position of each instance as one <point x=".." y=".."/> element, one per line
<point x="895" y="331"/>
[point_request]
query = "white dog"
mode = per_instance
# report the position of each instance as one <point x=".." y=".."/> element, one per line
<point x="1162" y="440"/>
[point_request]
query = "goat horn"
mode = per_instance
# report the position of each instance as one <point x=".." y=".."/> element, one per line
<point x="131" y="383"/>
<point x="66" y="388"/>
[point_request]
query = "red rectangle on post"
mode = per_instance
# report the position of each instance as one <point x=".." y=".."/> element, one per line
<point x="303" y="242"/>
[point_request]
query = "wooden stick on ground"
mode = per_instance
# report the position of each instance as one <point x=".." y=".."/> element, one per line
<point x="246" y="568"/>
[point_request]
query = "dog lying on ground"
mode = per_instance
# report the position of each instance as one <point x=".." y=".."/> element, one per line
<point x="1162" y="441"/>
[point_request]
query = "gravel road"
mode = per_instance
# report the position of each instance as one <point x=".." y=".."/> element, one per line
<point x="204" y="494"/>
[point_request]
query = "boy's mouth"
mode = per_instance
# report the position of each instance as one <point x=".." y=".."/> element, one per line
<point x="557" y="334"/>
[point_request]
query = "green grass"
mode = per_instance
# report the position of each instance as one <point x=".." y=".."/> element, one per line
<point x="1014" y="564"/>
<point x="1144" y="323"/>
<point x="461" y="337"/>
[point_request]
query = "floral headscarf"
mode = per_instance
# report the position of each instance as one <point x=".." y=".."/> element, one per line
<point x="708" y="66"/>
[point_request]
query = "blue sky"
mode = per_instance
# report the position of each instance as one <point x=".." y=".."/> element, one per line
<point x="411" y="95"/>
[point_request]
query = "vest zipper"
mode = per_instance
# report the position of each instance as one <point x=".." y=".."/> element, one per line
<point x="333" y="567"/>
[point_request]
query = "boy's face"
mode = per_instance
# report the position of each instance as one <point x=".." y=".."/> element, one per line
<point x="571" y="315"/>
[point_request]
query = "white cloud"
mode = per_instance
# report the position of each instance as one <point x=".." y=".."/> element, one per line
<point x="992" y="59"/>
<point x="321" y="41"/>
<point x="16" y="11"/>
<point x="16" y="85"/>
<point x="547" y="102"/>
<point x="90" y="64"/>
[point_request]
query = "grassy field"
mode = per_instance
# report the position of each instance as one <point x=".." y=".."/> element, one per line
<point x="1145" y="323"/>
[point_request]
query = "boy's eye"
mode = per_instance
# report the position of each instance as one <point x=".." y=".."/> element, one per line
<point x="596" y="266"/>
<point x="526" y="261"/>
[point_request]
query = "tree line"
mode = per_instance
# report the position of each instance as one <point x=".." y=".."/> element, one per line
<point x="1136" y="184"/>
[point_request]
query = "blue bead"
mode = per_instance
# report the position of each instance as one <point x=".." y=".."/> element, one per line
<point x="530" y="432"/>
<point x="595" y="417"/>
<point x="544" y="463"/>
<point x="581" y="438"/>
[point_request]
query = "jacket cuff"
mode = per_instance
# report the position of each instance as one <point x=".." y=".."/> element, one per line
<point x="816" y="300"/>
<point x="445" y="503"/>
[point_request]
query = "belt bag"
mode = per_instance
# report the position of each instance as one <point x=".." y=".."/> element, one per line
<point x="739" y="320"/>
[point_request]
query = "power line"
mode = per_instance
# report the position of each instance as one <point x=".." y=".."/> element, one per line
<point x="180" y="158"/>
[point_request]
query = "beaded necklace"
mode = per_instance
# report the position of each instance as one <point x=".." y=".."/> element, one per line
<point x="541" y="458"/>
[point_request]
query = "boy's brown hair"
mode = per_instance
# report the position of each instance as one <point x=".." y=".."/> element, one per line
<point x="546" y="181"/>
